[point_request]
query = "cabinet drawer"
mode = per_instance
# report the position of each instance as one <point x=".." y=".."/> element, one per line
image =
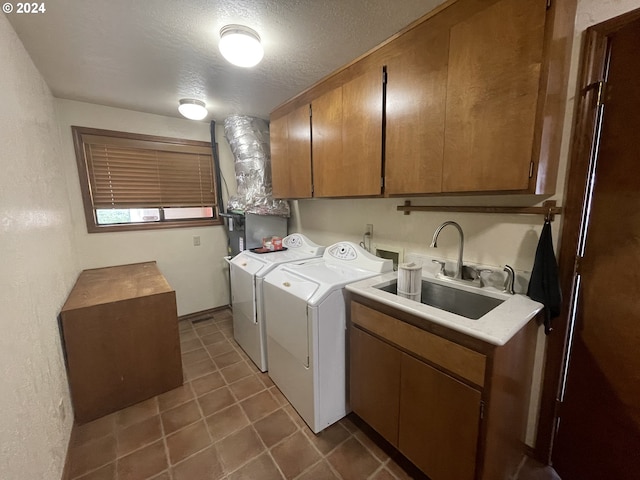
<point x="455" y="358"/>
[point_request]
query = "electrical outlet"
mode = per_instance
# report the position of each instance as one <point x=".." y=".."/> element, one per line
<point x="369" y="230"/>
<point x="196" y="241"/>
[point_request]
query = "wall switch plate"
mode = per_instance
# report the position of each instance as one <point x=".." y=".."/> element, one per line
<point x="196" y="241"/>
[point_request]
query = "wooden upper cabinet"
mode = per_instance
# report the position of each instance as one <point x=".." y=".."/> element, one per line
<point x="415" y="109"/>
<point x="494" y="78"/>
<point x="290" y="137"/>
<point x="347" y="138"/>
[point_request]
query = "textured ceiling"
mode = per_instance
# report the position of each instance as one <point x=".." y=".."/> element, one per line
<point x="146" y="55"/>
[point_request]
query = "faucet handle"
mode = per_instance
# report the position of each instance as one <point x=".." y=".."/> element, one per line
<point x="510" y="280"/>
<point x="480" y="272"/>
<point x="441" y="265"/>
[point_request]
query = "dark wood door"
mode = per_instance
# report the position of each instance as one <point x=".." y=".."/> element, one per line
<point x="599" y="428"/>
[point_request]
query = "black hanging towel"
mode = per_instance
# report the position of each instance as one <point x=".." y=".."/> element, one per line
<point x="544" y="286"/>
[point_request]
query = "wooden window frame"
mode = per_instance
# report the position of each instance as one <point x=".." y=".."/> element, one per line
<point x="154" y="143"/>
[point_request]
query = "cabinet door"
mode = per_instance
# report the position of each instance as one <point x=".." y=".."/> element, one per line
<point x="495" y="60"/>
<point x="347" y="138"/>
<point x="415" y="108"/>
<point x="290" y="137"/>
<point x="439" y="421"/>
<point x="375" y="383"/>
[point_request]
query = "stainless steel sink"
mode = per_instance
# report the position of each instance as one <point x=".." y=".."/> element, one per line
<point x="453" y="300"/>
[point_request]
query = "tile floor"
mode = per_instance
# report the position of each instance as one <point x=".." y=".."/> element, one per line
<point x="227" y="421"/>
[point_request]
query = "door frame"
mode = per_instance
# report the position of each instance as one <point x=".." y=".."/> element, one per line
<point x="592" y="67"/>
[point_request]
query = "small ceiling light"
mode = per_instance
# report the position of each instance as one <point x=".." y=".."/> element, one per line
<point x="240" y="45"/>
<point x="192" y="109"/>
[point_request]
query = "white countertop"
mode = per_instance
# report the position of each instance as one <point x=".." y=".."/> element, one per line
<point x="496" y="327"/>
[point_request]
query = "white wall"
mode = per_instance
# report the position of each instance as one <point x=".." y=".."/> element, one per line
<point x="38" y="270"/>
<point x="197" y="274"/>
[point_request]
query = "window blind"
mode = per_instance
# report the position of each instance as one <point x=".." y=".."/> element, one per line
<point x="125" y="173"/>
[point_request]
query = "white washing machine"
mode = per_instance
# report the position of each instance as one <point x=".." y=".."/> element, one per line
<point x="248" y="269"/>
<point x="305" y="309"/>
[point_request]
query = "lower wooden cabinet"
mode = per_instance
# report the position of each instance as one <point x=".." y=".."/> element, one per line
<point x="121" y="340"/>
<point x="455" y="406"/>
<point x="439" y="421"/>
<point x="429" y="416"/>
<point x="375" y="367"/>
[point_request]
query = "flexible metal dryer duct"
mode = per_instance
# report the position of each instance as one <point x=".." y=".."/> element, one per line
<point x="249" y="141"/>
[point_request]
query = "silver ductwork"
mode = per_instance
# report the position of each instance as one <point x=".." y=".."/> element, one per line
<point x="249" y="141"/>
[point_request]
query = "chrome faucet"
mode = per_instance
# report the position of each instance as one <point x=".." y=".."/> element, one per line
<point x="434" y="244"/>
<point x="510" y="280"/>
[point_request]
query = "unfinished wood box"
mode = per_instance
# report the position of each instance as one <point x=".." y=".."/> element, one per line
<point x="122" y="345"/>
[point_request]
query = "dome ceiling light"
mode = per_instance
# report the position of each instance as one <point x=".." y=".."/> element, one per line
<point x="240" y="45"/>
<point x="192" y="109"/>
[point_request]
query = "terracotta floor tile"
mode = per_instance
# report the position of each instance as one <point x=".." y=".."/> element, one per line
<point x="227" y="332"/>
<point x="294" y="455"/>
<point x="352" y="461"/>
<point x="190" y="345"/>
<point x="275" y="427"/>
<point x="246" y="387"/>
<point x="349" y="425"/>
<point x="205" y="330"/>
<point x="204" y="321"/>
<point x="220" y="348"/>
<point x="398" y="471"/>
<point x="329" y="438"/>
<point x="226" y="421"/>
<point x="138" y="435"/>
<point x="137" y="413"/>
<point x="202" y="465"/>
<point x="371" y="446"/>
<point x="93" y="430"/>
<point x="213" y="338"/>
<point x="216" y="400"/>
<point x="266" y="379"/>
<point x="108" y="472"/>
<point x="238" y="448"/>
<point x="279" y="396"/>
<point x="163" y="476"/>
<point x="236" y="372"/>
<point x="184" y="325"/>
<point x="259" y="405"/>
<point x="195" y="356"/>
<point x="261" y="468"/>
<point x="207" y="383"/>
<point x="175" y="397"/>
<point x="297" y="419"/>
<point x="180" y="417"/>
<point x="188" y="335"/>
<point x="222" y="316"/>
<point x="224" y="323"/>
<point x="320" y="471"/>
<point x="383" y="474"/>
<point x="91" y="455"/>
<point x="199" y="369"/>
<point x="227" y="359"/>
<point x="187" y="441"/>
<point x="143" y="463"/>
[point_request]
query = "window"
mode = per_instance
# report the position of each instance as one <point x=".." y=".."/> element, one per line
<point x="135" y="182"/>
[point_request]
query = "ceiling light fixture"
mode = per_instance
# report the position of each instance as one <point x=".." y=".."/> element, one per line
<point x="192" y="109"/>
<point x="240" y="45"/>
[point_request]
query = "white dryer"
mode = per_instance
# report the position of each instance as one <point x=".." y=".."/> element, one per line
<point x="305" y="309"/>
<point x="248" y="269"/>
